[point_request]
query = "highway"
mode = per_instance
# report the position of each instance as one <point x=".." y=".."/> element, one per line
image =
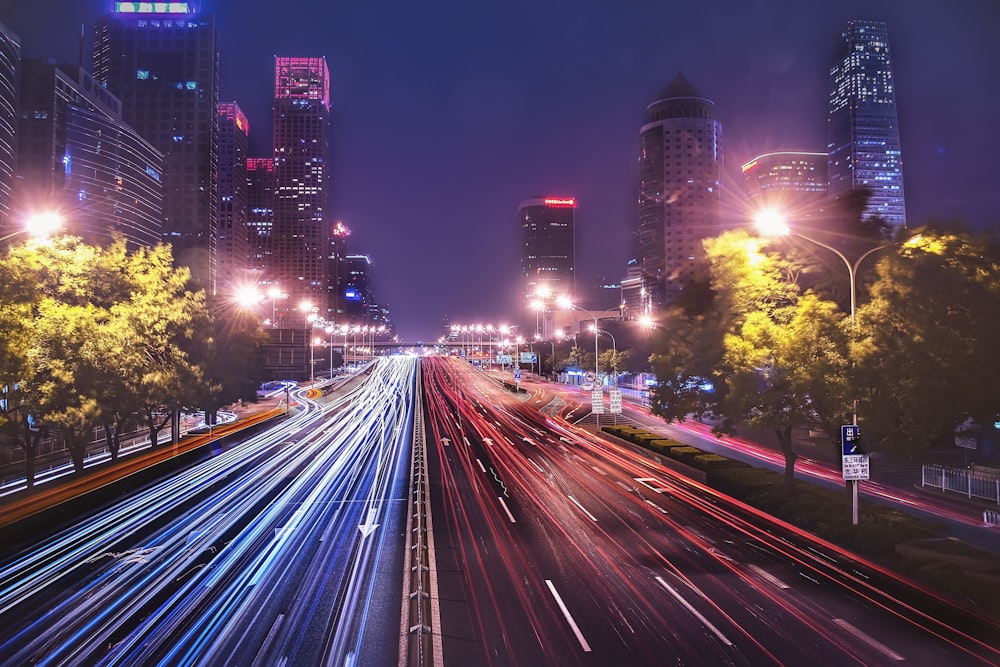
<point x="283" y="548"/>
<point x="558" y="547"/>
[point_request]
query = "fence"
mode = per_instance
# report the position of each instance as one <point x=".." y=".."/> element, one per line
<point x="969" y="483"/>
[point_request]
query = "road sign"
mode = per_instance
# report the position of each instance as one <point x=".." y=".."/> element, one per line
<point x="855" y="466"/>
<point x="517" y="375"/>
<point x="507" y="359"/>
<point x="589" y="377"/>
<point x="528" y="358"/>
<point x="597" y="402"/>
<point x="850" y="439"/>
<point x="615" y="401"/>
<point x="965" y="441"/>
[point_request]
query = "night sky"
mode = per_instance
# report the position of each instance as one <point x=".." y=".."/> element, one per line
<point x="447" y="114"/>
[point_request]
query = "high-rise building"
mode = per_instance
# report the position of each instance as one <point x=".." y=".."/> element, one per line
<point x="863" y="147"/>
<point x="260" y="218"/>
<point x="680" y="191"/>
<point x="548" y="247"/>
<point x="338" y="271"/>
<point x="77" y="155"/>
<point x="10" y="63"/>
<point x="359" y="301"/>
<point x="161" y="59"/>
<point x="301" y="235"/>
<point x="786" y="176"/>
<point x="232" y="195"/>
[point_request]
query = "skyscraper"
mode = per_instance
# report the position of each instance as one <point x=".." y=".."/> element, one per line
<point x="77" y="155"/>
<point x="260" y="218"/>
<point x="162" y="61"/>
<point x="338" y="271"/>
<point x="232" y="195"/>
<point x="10" y="59"/>
<point x="301" y="236"/>
<point x="786" y="178"/>
<point x="864" y="149"/>
<point x="680" y="189"/>
<point x="548" y="247"/>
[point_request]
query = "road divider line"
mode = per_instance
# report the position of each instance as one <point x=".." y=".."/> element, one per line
<point x="569" y="617"/>
<point x="656" y="507"/>
<point x="481" y="466"/>
<point x="582" y="509"/>
<point x="598" y="471"/>
<point x="767" y="576"/>
<point x="625" y="486"/>
<point x="871" y="641"/>
<point x="506" y="509"/>
<point x="532" y="461"/>
<point x="694" y="612"/>
<point x="466" y="441"/>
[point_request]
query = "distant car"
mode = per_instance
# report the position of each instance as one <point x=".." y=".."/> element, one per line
<point x="587" y="386"/>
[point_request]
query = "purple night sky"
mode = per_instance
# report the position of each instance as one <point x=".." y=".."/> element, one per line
<point x="448" y="114"/>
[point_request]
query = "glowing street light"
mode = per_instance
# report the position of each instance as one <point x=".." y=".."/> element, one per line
<point x="39" y="225"/>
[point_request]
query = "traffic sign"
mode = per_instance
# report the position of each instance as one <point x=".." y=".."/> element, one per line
<point x="589" y="377"/>
<point x="517" y="375"/>
<point x="597" y="402"/>
<point x="855" y="466"/>
<point x="850" y="439"/>
<point x="615" y="401"/>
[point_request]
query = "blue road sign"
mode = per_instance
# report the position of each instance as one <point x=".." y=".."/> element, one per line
<point x="850" y="439"/>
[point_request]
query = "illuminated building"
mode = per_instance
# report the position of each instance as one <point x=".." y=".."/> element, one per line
<point x="161" y="59"/>
<point x="786" y="172"/>
<point x="338" y="271"/>
<point x="358" y="298"/>
<point x="548" y="246"/>
<point x="10" y="59"/>
<point x="231" y="215"/>
<point x="680" y="173"/>
<point x="76" y="153"/>
<point x="260" y="217"/>
<point x="864" y="149"/>
<point x="301" y="235"/>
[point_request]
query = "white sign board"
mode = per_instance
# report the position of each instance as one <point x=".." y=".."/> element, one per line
<point x="855" y="466"/>
<point x="615" y="401"/>
<point x="597" y="402"/>
<point x="965" y="441"/>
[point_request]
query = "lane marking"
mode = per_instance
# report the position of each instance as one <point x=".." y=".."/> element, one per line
<point x="575" y="502"/>
<point x="466" y="441"/>
<point x="481" y="466"/>
<point x="871" y="641"/>
<point x="628" y="489"/>
<point x="569" y="618"/>
<point x="697" y="614"/>
<point x="488" y="441"/>
<point x="767" y="576"/>
<point x="598" y="471"/>
<point x="656" y="507"/>
<point x="530" y="460"/>
<point x="507" y="510"/>
<point x="647" y="482"/>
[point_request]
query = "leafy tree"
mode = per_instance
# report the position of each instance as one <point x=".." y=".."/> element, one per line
<point x="925" y="359"/>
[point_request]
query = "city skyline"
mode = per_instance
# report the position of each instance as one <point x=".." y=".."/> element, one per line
<point x="445" y="117"/>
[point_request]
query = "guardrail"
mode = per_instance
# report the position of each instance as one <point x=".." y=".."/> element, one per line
<point x="969" y="483"/>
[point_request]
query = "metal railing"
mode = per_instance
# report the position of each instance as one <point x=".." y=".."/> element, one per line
<point x="967" y="482"/>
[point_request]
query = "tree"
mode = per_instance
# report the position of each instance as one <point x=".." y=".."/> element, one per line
<point x="925" y="356"/>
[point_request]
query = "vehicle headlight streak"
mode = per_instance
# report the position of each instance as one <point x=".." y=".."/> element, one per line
<point x="241" y="496"/>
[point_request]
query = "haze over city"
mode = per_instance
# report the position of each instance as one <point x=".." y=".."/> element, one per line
<point x="446" y="116"/>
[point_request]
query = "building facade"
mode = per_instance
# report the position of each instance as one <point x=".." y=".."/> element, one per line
<point x="77" y="155"/>
<point x="548" y="247"/>
<point x="300" y="242"/>
<point x="338" y="272"/>
<point x="260" y="218"/>
<point x="786" y="176"/>
<point x="863" y="146"/>
<point x="231" y="213"/>
<point x="162" y="61"/>
<point x="10" y="65"/>
<point x="680" y="192"/>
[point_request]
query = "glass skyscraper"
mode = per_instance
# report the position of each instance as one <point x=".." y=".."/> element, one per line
<point x="864" y="150"/>
<point x="10" y="59"/>
<point x="548" y="254"/>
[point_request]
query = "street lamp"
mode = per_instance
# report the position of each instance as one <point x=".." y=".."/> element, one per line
<point x="614" y="348"/>
<point x="329" y="332"/>
<point x="38" y="225"/>
<point x="565" y="303"/>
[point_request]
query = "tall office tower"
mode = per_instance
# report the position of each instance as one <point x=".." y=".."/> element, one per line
<point x="162" y="61"/>
<point x="260" y="219"/>
<point x="786" y="178"/>
<point x="10" y="59"/>
<point x="338" y="271"/>
<point x="863" y="146"/>
<point x="680" y="189"/>
<point x="77" y="155"/>
<point x="358" y="297"/>
<point x="548" y="247"/>
<point x="231" y="215"/>
<point x="301" y="238"/>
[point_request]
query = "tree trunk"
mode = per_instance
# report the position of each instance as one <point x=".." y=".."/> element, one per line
<point x="154" y="428"/>
<point x="785" y="440"/>
<point x="77" y="450"/>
